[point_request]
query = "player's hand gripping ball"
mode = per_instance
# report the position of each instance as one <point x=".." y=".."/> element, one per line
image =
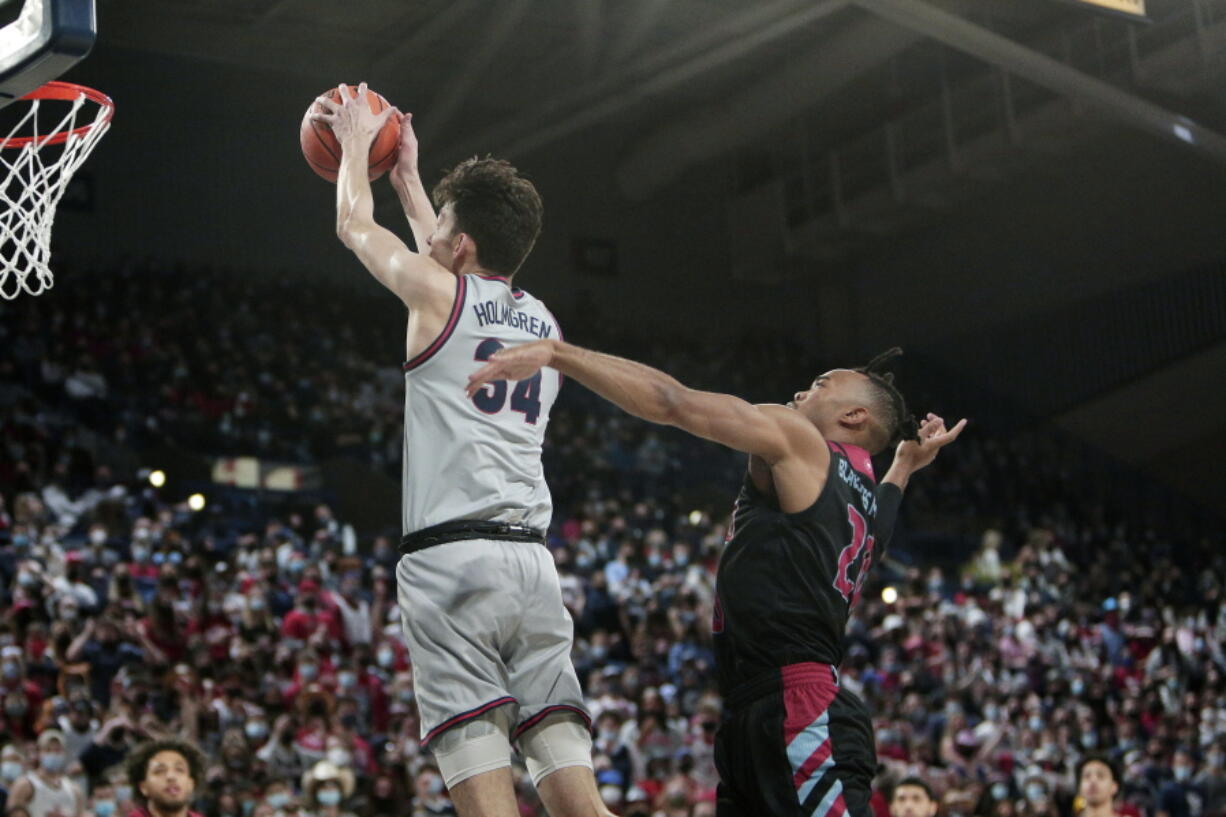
<point x="323" y="151"/>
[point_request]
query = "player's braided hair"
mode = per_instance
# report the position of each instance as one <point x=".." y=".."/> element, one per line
<point x="890" y="406"/>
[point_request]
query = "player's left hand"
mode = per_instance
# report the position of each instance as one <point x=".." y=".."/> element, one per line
<point x="351" y="119"/>
<point x="933" y="436"/>
<point x="516" y="363"/>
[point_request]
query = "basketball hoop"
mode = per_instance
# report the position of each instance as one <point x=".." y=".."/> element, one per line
<point x="33" y="179"/>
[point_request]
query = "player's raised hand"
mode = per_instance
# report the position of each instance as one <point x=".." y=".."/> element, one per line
<point x="516" y="363"/>
<point x="351" y="119"/>
<point x="933" y="436"/>
<point x="406" y="158"/>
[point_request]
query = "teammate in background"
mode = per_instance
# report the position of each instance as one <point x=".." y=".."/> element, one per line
<point x="804" y="530"/>
<point x="164" y="775"/>
<point x="1097" y="786"/>
<point x="912" y="797"/>
<point x="479" y="597"/>
<point x="45" y="791"/>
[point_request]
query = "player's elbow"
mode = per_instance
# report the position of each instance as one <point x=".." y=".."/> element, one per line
<point x="670" y="406"/>
<point x="350" y="231"/>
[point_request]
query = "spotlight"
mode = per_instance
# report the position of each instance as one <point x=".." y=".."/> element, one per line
<point x="157" y="478"/>
<point x="196" y="502"/>
<point x="889" y="595"/>
<point x="695" y="517"/>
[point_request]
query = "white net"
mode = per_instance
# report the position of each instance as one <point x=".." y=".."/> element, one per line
<point x="35" y="168"/>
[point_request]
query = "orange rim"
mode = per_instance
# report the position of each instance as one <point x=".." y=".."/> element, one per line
<point x="65" y="91"/>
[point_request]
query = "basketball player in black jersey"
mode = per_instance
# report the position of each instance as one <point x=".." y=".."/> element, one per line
<point x="808" y="524"/>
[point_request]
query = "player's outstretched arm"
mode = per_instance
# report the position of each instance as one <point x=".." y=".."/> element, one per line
<point x="771" y="432"/>
<point x="406" y="180"/>
<point x="415" y="278"/>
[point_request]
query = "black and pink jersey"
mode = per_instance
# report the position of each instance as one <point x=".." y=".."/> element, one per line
<point x="786" y="581"/>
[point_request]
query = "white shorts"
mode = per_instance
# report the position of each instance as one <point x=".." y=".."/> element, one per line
<point x="486" y="627"/>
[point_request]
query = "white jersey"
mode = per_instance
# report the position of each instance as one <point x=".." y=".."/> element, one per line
<point x="478" y="458"/>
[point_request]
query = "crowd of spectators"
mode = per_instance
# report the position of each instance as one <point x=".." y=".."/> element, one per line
<point x="127" y="616"/>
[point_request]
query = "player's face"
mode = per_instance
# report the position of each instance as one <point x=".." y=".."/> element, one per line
<point x="835" y="388"/>
<point x="912" y="801"/>
<point x="441" y="244"/>
<point x="1097" y="785"/>
<point x="168" y="782"/>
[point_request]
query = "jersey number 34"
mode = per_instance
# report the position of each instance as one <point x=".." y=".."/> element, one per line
<point x="492" y="398"/>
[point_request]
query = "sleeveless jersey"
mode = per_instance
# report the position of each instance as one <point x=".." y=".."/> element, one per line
<point x="50" y="799"/>
<point x="478" y="458"/>
<point x="786" y="581"/>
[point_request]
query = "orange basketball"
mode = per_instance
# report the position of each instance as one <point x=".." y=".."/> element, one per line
<point x="323" y="151"/>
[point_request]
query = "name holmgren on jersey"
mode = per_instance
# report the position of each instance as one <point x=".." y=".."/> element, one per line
<point x="478" y="458"/>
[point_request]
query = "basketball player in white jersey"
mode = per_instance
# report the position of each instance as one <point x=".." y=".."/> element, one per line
<point x="479" y="596"/>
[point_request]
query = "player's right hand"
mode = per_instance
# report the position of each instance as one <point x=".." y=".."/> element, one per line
<point x="515" y="363"/>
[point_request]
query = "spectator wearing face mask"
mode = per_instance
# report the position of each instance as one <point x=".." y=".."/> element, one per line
<point x="102" y="646"/>
<point x="12" y="767"/>
<point x="46" y="791"/>
<point x="102" y="801"/>
<point x="1177" y="796"/>
<point x="79" y="726"/>
<point x="1211" y="781"/>
<point x="429" y="795"/>
<point x="327" y="787"/>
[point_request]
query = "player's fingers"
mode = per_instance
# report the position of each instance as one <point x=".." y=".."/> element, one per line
<point x="326" y="118"/>
<point x="343" y="90"/>
<point x="361" y="89"/>
<point x="328" y="103"/>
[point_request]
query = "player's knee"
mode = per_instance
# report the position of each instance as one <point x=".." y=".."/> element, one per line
<point x="480" y="745"/>
<point x="559" y="741"/>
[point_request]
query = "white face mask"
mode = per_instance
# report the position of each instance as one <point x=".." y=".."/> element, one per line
<point x="10" y="770"/>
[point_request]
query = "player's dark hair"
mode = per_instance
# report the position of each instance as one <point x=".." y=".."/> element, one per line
<point x="918" y="782"/>
<point x="1097" y="757"/>
<point x="889" y="406"/>
<point x="138" y="762"/>
<point x="500" y="209"/>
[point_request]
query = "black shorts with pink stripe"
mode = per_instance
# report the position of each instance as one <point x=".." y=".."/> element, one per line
<point x="795" y="744"/>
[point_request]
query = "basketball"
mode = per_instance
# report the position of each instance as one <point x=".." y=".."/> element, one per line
<point x="323" y="151"/>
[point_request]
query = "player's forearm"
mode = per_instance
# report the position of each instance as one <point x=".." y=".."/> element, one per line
<point x="355" y="204"/>
<point x="898" y="474"/>
<point x="633" y="387"/>
<point x="417" y="207"/>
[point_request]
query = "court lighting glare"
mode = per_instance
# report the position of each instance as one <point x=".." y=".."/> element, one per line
<point x="196" y="502"/>
<point x="695" y="517"/>
<point x="157" y="478"/>
<point x="889" y="595"/>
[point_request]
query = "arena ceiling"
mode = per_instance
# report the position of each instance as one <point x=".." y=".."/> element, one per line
<point x="688" y="82"/>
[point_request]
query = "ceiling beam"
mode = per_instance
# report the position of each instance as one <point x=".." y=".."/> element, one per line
<point x="434" y="29"/>
<point x="708" y="49"/>
<point x="1124" y="107"/>
<point x="820" y="70"/>
<point x="454" y="94"/>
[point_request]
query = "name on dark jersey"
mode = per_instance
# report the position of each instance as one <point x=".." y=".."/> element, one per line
<point x="851" y="476"/>
<point x="489" y="313"/>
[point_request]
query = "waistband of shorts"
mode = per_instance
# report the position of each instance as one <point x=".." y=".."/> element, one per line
<point x="777" y="680"/>
<point x="460" y="529"/>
